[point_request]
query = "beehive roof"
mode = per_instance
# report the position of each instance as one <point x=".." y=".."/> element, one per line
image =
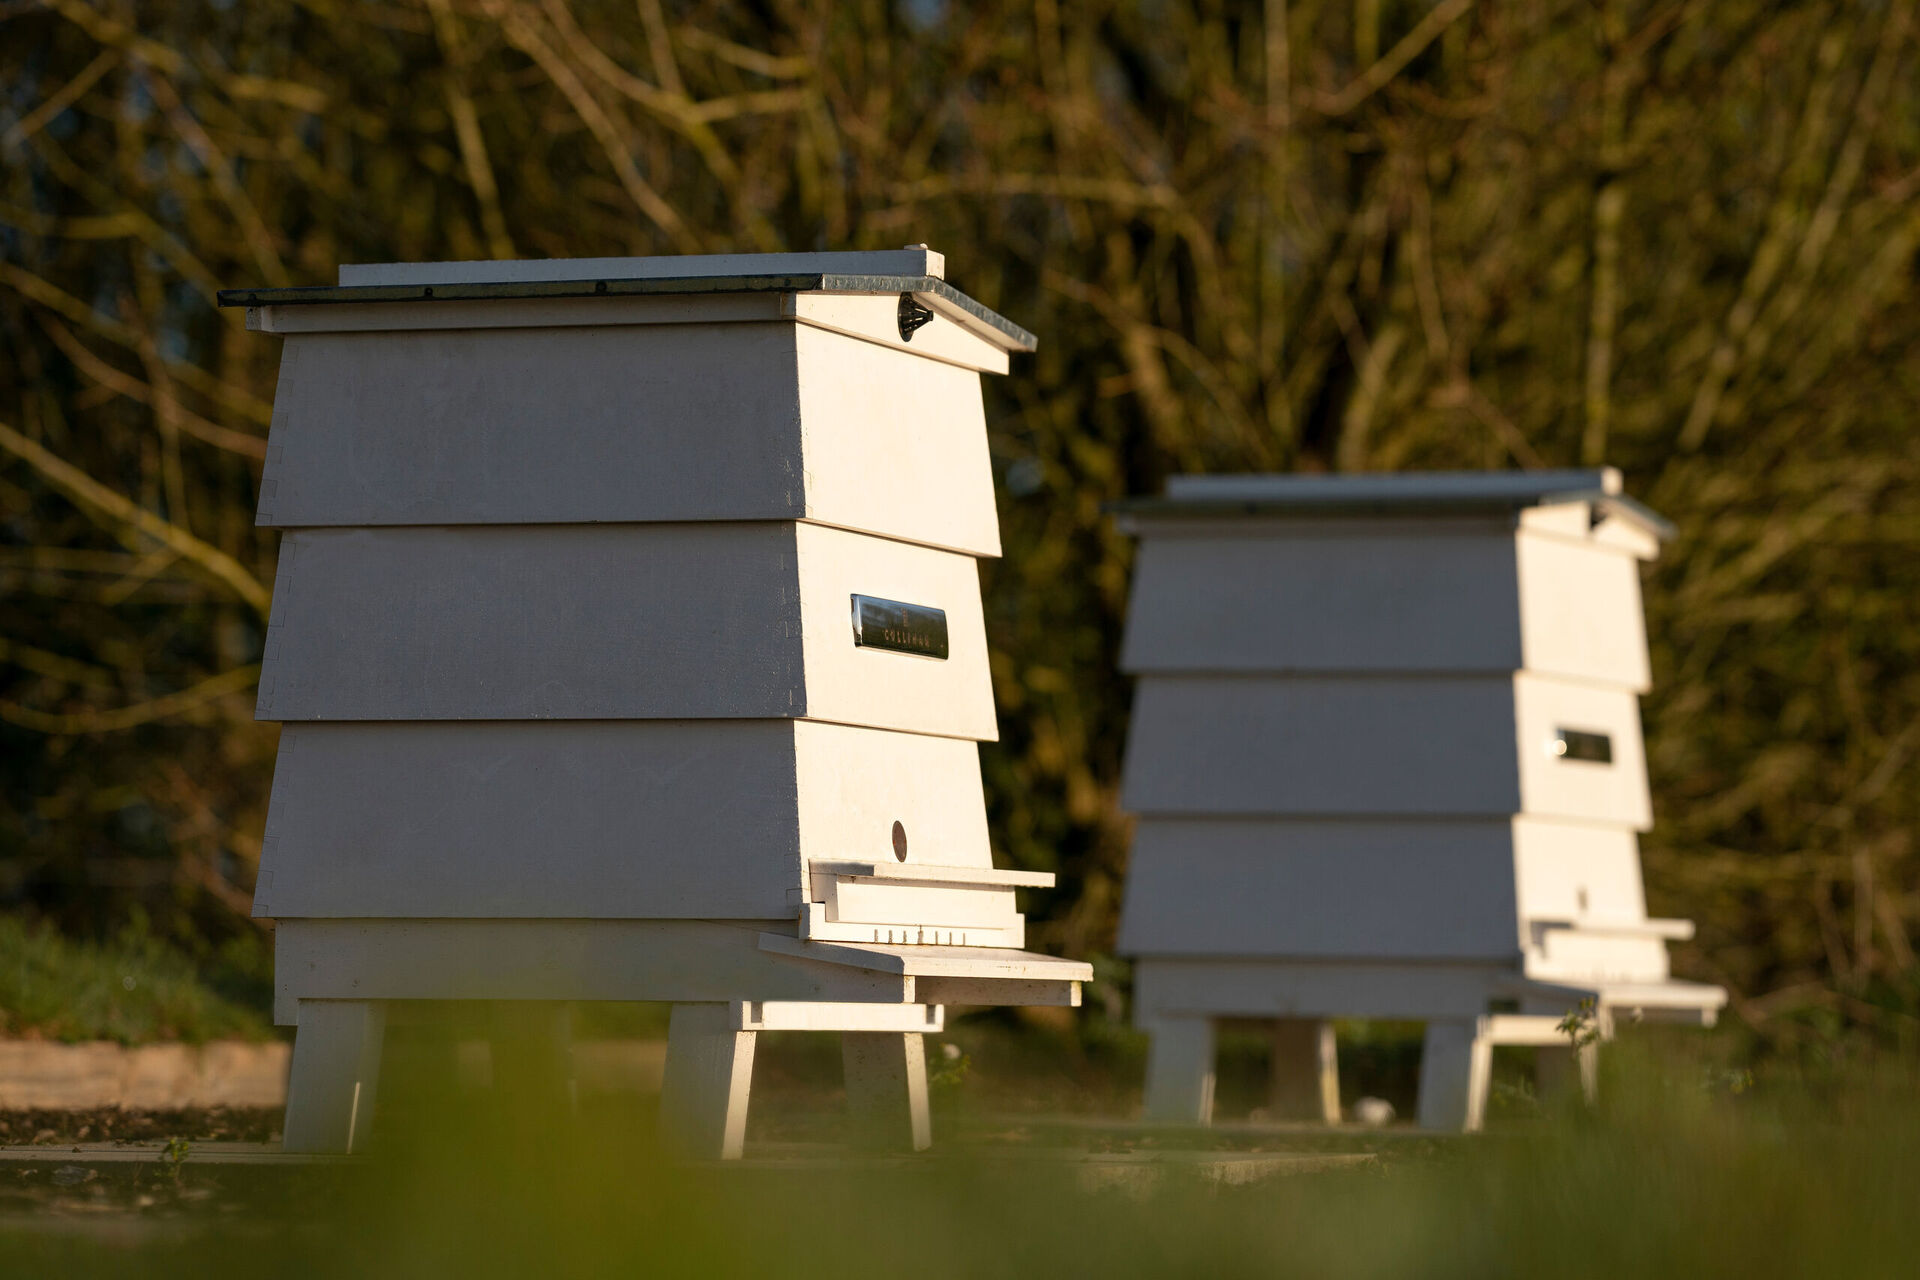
<point x="906" y="271"/>
<point x="1396" y="493"/>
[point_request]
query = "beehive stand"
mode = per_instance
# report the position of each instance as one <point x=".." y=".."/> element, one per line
<point x="628" y="642"/>
<point x="1386" y="760"/>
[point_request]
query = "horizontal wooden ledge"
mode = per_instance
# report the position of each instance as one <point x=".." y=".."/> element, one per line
<point x="932" y="961"/>
<point x="1671" y="930"/>
<point x="1674" y="995"/>
<point x="823" y="1015"/>
<point x="928" y="874"/>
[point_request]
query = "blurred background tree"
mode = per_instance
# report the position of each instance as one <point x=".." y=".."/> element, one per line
<point x="1677" y="235"/>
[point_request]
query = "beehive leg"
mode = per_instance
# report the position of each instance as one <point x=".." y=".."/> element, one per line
<point x="1456" y="1069"/>
<point x="336" y="1066"/>
<point x="703" y="1100"/>
<point x="1305" y="1082"/>
<point x="1180" y="1070"/>
<point x="886" y="1075"/>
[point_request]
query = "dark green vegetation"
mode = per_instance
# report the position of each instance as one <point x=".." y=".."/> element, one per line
<point x="1679" y="235"/>
<point x="133" y="988"/>
<point x="1677" y="1175"/>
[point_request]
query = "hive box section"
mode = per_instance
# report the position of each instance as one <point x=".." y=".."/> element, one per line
<point x="1246" y="589"/>
<point x="1409" y="745"/>
<point x="1446" y="892"/>
<point x="603" y="819"/>
<point x="746" y="397"/>
<point x="591" y="622"/>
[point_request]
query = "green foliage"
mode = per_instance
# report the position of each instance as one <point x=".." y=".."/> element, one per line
<point x="133" y="988"/>
<point x="1675" y="235"/>
<point x="1790" y="1178"/>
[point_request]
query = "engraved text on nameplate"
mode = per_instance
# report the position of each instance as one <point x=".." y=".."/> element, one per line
<point x="902" y="628"/>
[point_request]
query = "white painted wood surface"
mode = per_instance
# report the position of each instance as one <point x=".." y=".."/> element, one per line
<point x="1552" y="785"/>
<point x="824" y="871"/>
<point x="933" y="962"/>
<point x="1456" y="1069"/>
<point x="1408" y="746"/>
<point x="883" y="902"/>
<point x="673" y="960"/>
<point x="821" y="1015"/>
<point x="1580" y="612"/>
<point x="1577" y="871"/>
<point x="1280" y="596"/>
<point x="816" y="927"/>
<point x="876" y="318"/>
<point x="599" y="819"/>
<point x="334" y="1077"/>
<point x="1304" y="1071"/>
<point x="709" y="1076"/>
<point x="878" y="901"/>
<point x="1478" y="888"/>
<point x="1180" y="1070"/>
<point x="1254" y="988"/>
<point x="1584" y="955"/>
<point x="1328" y="746"/>
<point x="633" y="422"/>
<point x="894" y="444"/>
<point x="1328" y="889"/>
<point x="612" y="622"/>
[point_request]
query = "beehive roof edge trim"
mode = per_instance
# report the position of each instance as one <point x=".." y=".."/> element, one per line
<point x="1312" y="507"/>
<point x="929" y="290"/>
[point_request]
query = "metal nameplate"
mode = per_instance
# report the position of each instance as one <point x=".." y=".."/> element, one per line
<point x="901" y="628"/>
<point x="1579" y="744"/>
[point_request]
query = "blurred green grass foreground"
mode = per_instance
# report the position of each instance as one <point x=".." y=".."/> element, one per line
<point x="1684" y="1170"/>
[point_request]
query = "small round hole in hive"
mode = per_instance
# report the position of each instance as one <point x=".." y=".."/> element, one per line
<point x="899" y="842"/>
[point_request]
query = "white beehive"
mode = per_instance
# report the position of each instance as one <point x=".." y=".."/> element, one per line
<point x="1386" y="762"/>
<point x="628" y="639"/>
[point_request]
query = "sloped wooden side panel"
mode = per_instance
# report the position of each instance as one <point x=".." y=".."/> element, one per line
<point x="1282" y="596"/>
<point x="854" y="784"/>
<point x="1577" y="871"/>
<point x="1352" y="890"/>
<point x="1580" y="611"/>
<point x="1614" y="792"/>
<point x="895" y="443"/>
<point x="598" y="820"/>
<point x="656" y="819"/>
<point x="1323" y="746"/>
<point x="865" y="685"/>
<point x="511" y="622"/>
<point x="534" y="425"/>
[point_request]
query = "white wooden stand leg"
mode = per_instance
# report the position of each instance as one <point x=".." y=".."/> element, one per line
<point x="1180" y="1070"/>
<point x="1305" y="1082"/>
<point x="703" y="1099"/>
<point x="886" y="1075"/>
<point x="1456" y="1070"/>
<point x="1588" y="1056"/>
<point x="336" y="1066"/>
